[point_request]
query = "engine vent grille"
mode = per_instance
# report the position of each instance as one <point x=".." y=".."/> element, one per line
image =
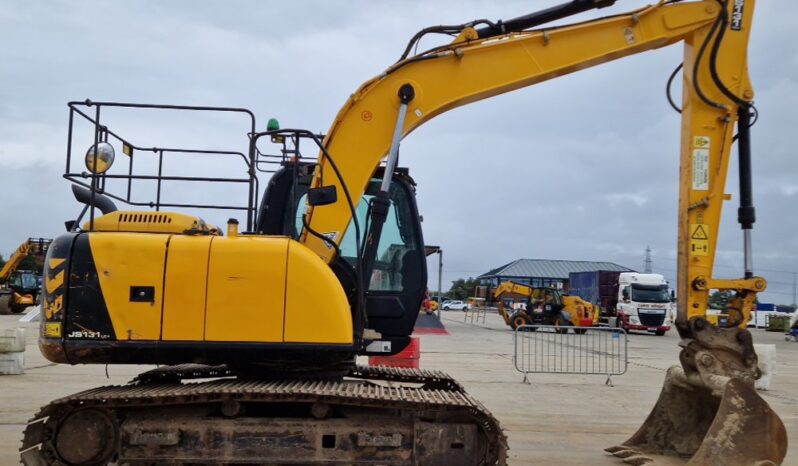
<point x="146" y="218"/>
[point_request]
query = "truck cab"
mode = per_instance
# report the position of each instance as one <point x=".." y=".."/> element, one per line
<point x="644" y="302"/>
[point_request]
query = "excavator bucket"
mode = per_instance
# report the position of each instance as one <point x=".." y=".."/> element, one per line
<point x="727" y="424"/>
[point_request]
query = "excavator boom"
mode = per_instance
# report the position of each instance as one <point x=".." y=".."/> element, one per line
<point x="37" y="246"/>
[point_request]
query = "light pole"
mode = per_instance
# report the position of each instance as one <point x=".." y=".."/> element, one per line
<point x="440" y="278"/>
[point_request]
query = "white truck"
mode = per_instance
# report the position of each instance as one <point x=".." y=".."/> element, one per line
<point x="634" y="301"/>
<point x="644" y="302"/>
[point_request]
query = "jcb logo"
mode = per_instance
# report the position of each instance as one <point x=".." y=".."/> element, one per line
<point x="737" y="15"/>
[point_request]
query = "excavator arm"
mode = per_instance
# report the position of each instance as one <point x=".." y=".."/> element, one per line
<point x="510" y="288"/>
<point x="719" y="365"/>
<point x="717" y="90"/>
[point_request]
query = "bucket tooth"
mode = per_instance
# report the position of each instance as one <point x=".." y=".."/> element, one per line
<point x="626" y="453"/>
<point x="638" y="460"/>
<point x="615" y="448"/>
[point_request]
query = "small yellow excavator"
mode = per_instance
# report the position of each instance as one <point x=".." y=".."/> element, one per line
<point x="19" y="289"/>
<point x="330" y="265"/>
<point x="521" y="304"/>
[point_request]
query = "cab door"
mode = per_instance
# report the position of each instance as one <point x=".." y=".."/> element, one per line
<point x="398" y="282"/>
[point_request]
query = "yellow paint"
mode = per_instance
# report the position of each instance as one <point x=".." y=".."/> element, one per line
<point x="184" y="294"/>
<point x="51" y="329"/>
<point x="124" y="260"/>
<point x="54" y="263"/>
<point x="151" y="222"/>
<point x="316" y="309"/>
<point x="24" y="299"/>
<point x="52" y="284"/>
<point x="246" y="289"/>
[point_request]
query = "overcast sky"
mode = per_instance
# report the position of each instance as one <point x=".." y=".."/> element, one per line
<point x="581" y="168"/>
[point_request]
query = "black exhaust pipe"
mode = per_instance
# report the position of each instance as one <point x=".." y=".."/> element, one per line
<point x="102" y="202"/>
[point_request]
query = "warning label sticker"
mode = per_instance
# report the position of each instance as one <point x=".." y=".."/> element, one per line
<point x="701" y="142"/>
<point x="699" y="239"/>
<point x="699" y="231"/>
<point x="329" y="239"/>
<point x="701" y="169"/>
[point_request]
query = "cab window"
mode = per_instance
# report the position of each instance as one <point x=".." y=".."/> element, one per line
<point x="398" y="241"/>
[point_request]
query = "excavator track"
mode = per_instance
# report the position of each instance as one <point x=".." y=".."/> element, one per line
<point x="383" y="416"/>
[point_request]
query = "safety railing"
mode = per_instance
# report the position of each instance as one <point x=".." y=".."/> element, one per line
<point x="153" y="176"/>
<point x="475" y="314"/>
<point x="546" y="349"/>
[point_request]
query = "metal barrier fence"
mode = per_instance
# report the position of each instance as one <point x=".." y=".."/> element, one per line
<point x="476" y="314"/>
<point x="545" y="349"/>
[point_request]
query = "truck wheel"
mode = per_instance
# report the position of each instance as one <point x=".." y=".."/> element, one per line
<point x="517" y="319"/>
<point x="580" y="331"/>
<point x="560" y="325"/>
<point x="17" y="309"/>
<point x="5" y="304"/>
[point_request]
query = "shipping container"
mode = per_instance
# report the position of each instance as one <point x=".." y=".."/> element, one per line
<point x="598" y="287"/>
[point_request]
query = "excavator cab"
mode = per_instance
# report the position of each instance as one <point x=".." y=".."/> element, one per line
<point x="24" y="282"/>
<point x="398" y="279"/>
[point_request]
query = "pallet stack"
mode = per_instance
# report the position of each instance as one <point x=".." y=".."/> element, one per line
<point x="12" y="351"/>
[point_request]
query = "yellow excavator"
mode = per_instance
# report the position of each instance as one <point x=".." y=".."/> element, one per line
<point x="331" y="266"/>
<point x="19" y="289"/>
<point x="521" y="304"/>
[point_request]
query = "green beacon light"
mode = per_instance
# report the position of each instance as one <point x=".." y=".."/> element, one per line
<point x="272" y="125"/>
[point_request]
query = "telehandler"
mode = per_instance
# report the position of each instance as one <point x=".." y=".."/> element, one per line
<point x="543" y="306"/>
<point x="19" y="289"/>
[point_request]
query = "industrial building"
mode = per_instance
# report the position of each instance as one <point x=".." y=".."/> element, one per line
<point x="542" y="272"/>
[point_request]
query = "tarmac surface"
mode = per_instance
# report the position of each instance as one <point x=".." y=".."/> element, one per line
<point x="555" y="419"/>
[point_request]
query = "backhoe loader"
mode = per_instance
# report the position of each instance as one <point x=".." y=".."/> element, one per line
<point x="20" y="288"/>
<point x="543" y="306"/>
<point x="330" y="264"/>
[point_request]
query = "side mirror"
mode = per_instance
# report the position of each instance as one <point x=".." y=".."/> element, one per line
<point x="323" y="195"/>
